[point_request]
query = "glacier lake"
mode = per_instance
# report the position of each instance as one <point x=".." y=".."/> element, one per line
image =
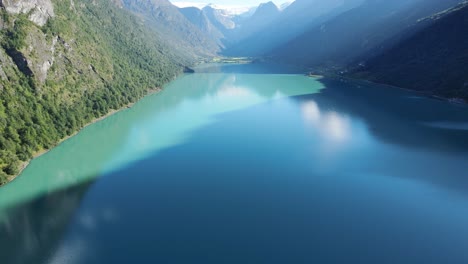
<point x="250" y="163"/>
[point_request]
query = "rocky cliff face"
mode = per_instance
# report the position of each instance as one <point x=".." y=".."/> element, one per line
<point x="38" y="58"/>
<point x="39" y="10"/>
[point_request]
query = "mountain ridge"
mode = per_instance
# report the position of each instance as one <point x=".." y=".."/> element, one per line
<point x="174" y="26"/>
<point x="289" y="24"/>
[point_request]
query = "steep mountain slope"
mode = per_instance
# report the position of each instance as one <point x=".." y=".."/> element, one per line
<point x="224" y="25"/>
<point x="264" y="15"/>
<point x="285" y="5"/>
<point x="199" y="18"/>
<point x="169" y="22"/>
<point x="435" y="59"/>
<point x="362" y="30"/>
<point x="219" y="18"/>
<point x="293" y="21"/>
<point x="64" y="64"/>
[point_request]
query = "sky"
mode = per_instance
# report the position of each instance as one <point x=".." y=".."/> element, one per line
<point x="224" y="3"/>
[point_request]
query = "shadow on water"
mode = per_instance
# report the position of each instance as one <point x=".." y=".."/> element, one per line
<point x="30" y="232"/>
<point x="397" y="116"/>
<point x="402" y="118"/>
<point x="239" y="200"/>
<point x="352" y="173"/>
<point x="157" y="122"/>
<point x="257" y="185"/>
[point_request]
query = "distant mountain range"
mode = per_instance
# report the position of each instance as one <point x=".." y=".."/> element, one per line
<point x="283" y="27"/>
<point x="395" y="42"/>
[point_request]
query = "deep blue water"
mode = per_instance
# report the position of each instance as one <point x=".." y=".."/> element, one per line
<point x="343" y="172"/>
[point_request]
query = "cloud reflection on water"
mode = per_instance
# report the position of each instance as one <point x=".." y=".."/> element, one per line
<point x="331" y="124"/>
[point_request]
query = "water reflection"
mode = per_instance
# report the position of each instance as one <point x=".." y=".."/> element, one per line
<point x="32" y="230"/>
<point x="268" y="183"/>
<point x="157" y="122"/>
<point x="311" y="112"/>
<point x="333" y="125"/>
<point x="394" y="116"/>
<point x="336" y="126"/>
<point x="238" y="168"/>
<point x="253" y="68"/>
<point x="221" y="93"/>
<point x="385" y="132"/>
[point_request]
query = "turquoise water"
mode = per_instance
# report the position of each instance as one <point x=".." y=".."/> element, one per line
<point x="250" y="164"/>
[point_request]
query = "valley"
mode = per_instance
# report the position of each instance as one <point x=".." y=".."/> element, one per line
<point x="257" y="152"/>
<point x="306" y="131"/>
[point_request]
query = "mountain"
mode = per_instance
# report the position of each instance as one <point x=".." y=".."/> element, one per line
<point x="221" y="24"/>
<point x="285" y="5"/>
<point x="266" y="11"/>
<point x="64" y="64"/>
<point x="263" y="16"/>
<point x="434" y="59"/>
<point x="292" y="22"/>
<point x="362" y="31"/>
<point x="247" y="13"/>
<point x="170" y="23"/>
<point x="220" y="18"/>
<point x="199" y="18"/>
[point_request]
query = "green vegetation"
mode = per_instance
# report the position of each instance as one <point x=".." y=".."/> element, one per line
<point x="15" y="36"/>
<point x="103" y="58"/>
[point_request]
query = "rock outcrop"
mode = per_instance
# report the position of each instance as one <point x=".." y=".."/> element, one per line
<point x="39" y="10"/>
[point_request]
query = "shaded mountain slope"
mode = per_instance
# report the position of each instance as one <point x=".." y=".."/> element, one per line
<point x="199" y="18"/>
<point x="263" y="16"/>
<point x="365" y="30"/>
<point x="293" y="21"/>
<point x="219" y="18"/>
<point x="435" y="59"/>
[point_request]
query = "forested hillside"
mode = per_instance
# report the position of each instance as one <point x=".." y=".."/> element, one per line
<point x="65" y="66"/>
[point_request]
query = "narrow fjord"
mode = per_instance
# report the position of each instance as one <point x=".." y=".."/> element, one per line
<point x="250" y="164"/>
<point x="236" y="131"/>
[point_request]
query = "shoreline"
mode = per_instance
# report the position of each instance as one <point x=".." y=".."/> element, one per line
<point x="320" y="74"/>
<point x="427" y="94"/>
<point x="39" y="153"/>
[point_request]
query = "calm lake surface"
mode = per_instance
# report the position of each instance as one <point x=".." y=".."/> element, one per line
<point x="250" y="164"/>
